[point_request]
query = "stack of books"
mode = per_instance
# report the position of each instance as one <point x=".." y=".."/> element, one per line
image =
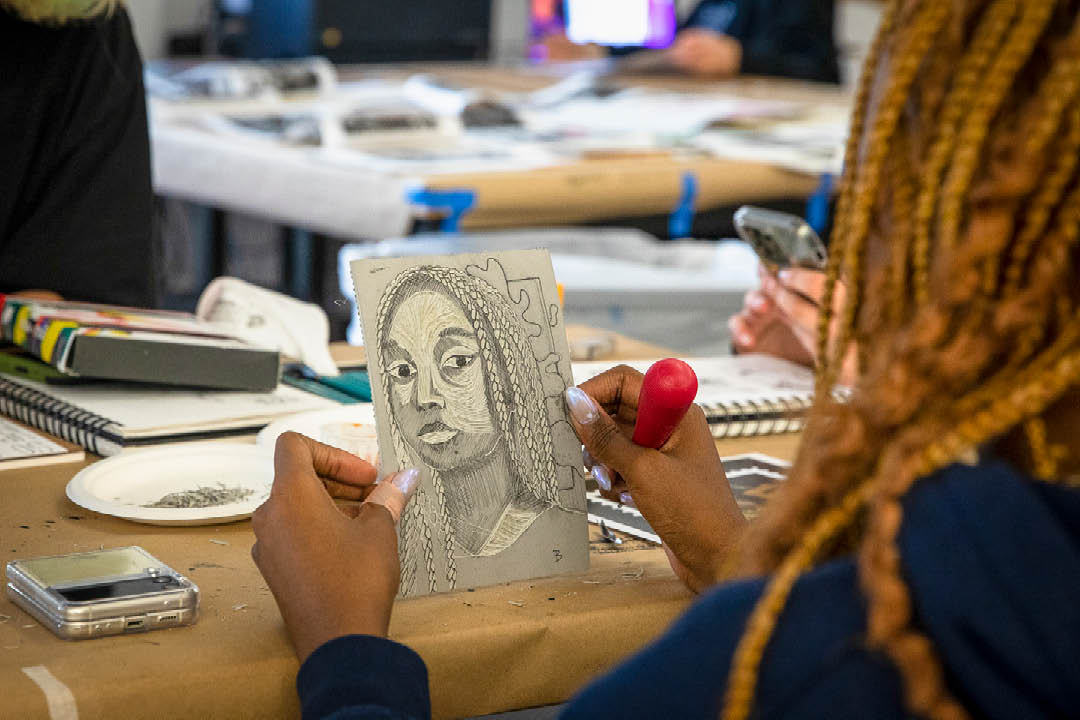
<point x="153" y="346"/>
<point x="110" y="378"/>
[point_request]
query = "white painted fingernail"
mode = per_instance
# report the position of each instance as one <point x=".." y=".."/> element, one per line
<point x="625" y="499"/>
<point x="602" y="476"/>
<point x="406" y="481"/>
<point x="581" y="406"/>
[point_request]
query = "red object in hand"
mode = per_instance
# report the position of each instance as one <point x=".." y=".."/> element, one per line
<point x="667" y="391"/>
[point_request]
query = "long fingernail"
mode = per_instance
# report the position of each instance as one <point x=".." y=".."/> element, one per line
<point x="785" y="275"/>
<point x="602" y="476"/>
<point x="581" y="406"/>
<point x="406" y="481"/>
<point x="745" y="339"/>
<point x="625" y="499"/>
<point x="757" y="303"/>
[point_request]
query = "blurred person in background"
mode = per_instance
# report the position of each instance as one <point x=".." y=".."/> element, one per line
<point x="76" y="204"/>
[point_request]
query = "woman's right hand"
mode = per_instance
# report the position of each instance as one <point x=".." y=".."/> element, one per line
<point x="681" y="488"/>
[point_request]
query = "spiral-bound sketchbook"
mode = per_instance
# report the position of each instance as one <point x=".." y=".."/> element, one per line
<point x="741" y="394"/>
<point x="108" y="417"/>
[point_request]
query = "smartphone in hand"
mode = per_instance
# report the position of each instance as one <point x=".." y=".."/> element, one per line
<point x="781" y="240"/>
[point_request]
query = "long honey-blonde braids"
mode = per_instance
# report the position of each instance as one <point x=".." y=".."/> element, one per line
<point x="956" y="235"/>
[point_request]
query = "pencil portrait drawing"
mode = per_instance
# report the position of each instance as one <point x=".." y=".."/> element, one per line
<point x="471" y="367"/>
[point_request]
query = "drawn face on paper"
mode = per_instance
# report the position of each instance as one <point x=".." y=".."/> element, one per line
<point x="437" y="388"/>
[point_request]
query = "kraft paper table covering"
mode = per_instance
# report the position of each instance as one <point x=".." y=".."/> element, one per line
<point x="493" y="649"/>
<point x="485" y="653"/>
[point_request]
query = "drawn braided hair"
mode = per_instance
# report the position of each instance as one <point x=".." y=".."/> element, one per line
<point x="515" y="392"/>
<point x="957" y="236"/>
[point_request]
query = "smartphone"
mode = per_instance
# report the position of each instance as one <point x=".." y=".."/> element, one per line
<point x="100" y="593"/>
<point x="781" y="240"/>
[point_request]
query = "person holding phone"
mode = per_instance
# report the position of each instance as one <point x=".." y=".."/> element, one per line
<point x="922" y="559"/>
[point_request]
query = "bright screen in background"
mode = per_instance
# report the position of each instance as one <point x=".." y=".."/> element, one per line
<point x="648" y="23"/>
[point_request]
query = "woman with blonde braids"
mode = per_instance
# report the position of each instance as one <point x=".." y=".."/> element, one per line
<point x="923" y="558"/>
<point x="76" y="203"/>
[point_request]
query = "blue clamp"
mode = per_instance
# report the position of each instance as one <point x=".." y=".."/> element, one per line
<point x="817" y="207"/>
<point x="681" y="222"/>
<point x="455" y="203"/>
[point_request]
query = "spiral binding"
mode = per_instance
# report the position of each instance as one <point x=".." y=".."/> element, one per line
<point x="55" y="417"/>
<point x="757" y="417"/>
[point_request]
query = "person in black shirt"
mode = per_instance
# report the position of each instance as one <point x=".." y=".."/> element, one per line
<point x="76" y="204"/>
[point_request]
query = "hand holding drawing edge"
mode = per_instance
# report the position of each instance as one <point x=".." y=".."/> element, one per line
<point x="304" y="541"/>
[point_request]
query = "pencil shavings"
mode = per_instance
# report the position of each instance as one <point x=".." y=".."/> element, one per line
<point x="203" y="497"/>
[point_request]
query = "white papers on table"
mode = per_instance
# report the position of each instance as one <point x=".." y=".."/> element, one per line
<point x="661" y="114"/>
<point x="813" y="145"/>
<point x="286" y="184"/>
<point x="19" y="442"/>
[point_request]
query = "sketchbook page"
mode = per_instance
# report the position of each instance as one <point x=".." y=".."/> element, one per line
<point x="21" y="447"/>
<point x="731" y="378"/>
<point x="17" y="441"/>
<point x="469" y="363"/>
<point x="149" y="411"/>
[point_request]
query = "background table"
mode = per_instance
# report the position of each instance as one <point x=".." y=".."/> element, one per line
<point x="364" y="203"/>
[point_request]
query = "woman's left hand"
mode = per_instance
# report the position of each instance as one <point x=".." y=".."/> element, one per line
<point x="703" y="52"/>
<point x="332" y="571"/>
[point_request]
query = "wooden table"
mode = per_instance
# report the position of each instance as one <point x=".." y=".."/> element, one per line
<point x="488" y="650"/>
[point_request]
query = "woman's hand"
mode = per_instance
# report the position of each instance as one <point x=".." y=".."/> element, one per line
<point x="706" y="53"/>
<point x="681" y="488"/>
<point x="332" y="571"/>
<point x="558" y="48"/>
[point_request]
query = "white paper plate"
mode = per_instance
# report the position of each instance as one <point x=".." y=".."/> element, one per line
<point x="121" y="485"/>
<point x="311" y="423"/>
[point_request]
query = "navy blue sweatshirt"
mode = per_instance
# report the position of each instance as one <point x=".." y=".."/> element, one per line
<point x="789" y="38"/>
<point x="993" y="562"/>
